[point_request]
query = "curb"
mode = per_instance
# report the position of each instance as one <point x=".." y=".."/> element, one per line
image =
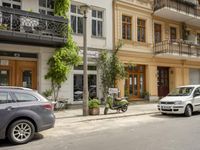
<point x="111" y="117"/>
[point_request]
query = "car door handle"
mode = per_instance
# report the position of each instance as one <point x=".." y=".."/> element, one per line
<point x="9" y="108"/>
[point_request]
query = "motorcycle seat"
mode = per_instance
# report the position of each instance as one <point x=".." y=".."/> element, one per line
<point x="118" y="99"/>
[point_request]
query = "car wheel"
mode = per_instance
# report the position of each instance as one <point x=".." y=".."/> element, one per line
<point x="21" y="132"/>
<point x="188" y="111"/>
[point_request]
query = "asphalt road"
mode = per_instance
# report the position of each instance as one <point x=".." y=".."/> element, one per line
<point x="148" y="132"/>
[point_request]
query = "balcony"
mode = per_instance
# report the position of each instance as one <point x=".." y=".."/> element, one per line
<point x="22" y="27"/>
<point x="177" y="49"/>
<point x="178" y="10"/>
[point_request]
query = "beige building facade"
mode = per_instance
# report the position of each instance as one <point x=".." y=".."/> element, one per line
<point x="161" y="46"/>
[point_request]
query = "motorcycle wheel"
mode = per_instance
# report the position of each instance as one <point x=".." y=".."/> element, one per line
<point x="124" y="108"/>
<point x="105" y="111"/>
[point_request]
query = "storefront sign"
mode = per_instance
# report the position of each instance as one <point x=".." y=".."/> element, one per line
<point x="90" y="54"/>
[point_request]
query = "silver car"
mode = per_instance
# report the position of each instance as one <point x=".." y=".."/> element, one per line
<point x="23" y="112"/>
<point x="182" y="100"/>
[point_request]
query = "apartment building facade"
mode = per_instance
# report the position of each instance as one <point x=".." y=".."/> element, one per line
<point x="161" y="45"/>
<point x="100" y="37"/>
<point x="30" y="33"/>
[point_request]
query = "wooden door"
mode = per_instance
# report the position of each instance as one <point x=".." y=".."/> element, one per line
<point x="26" y="74"/>
<point x="135" y="84"/>
<point x="163" y="81"/>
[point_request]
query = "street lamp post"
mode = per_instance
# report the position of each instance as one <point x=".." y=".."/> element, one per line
<point x="84" y="10"/>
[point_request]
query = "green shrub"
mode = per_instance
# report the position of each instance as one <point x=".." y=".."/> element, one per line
<point x="93" y="103"/>
<point x="47" y="93"/>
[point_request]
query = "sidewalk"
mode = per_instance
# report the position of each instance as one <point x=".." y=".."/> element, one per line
<point x="75" y="115"/>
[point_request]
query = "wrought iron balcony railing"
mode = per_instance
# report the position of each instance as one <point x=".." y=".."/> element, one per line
<point x="32" y="28"/>
<point x="189" y="7"/>
<point x="177" y="47"/>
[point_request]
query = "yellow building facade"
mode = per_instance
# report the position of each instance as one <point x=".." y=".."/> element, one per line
<point x="161" y="46"/>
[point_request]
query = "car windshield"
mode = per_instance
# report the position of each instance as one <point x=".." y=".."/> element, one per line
<point x="181" y="91"/>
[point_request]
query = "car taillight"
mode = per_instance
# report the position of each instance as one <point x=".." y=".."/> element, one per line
<point x="48" y="106"/>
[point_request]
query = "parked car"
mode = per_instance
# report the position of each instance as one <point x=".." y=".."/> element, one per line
<point x="23" y="112"/>
<point x="183" y="100"/>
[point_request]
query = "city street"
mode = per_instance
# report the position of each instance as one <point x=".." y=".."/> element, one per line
<point x="144" y="132"/>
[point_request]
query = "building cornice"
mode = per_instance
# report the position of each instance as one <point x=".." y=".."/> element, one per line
<point x="132" y="5"/>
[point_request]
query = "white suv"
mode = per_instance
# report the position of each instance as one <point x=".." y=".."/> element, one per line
<point x="183" y="100"/>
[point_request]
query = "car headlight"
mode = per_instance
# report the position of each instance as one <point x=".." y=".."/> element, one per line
<point x="178" y="103"/>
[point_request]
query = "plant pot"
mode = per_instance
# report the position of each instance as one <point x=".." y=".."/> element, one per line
<point x="146" y="97"/>
<point x="94" y="111"/>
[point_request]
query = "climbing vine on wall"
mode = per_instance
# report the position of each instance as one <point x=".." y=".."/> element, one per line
<point x="61" y="7"/>
<point x="64" y="58"/>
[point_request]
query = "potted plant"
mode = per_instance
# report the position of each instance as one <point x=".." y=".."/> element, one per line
<point x="145" y="95"/>
<point x="94" y="107"/>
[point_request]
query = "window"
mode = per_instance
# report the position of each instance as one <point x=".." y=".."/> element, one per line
<point x="23" y="97"/>
<point x="172" y="33"/>
<point x="16" y="4"/>
<point x="4" y="77"/>
<point x="157" y="33"/>
<point x="126" y="27"/>
<point x="80" y="67"/>
<point x="141" y="30"/>
<point x="78" y="86"/>
<point x="97" y="23"/>
<point x="76" y="20"/>
<point x="5" y="97"/>
<point x="46" y="7"/>
<point x="198" y="38"/>
<point x="12" y="21"/>
<point x="197" y="92"/>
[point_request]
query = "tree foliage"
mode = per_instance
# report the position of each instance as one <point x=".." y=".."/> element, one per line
<point x="64" y="58"/>
<point x="112" y="69"/>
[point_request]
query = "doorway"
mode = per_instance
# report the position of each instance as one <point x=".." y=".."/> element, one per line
<point x="135" y="84"/>
<point x="19" y="73"/>
<point x="163" y="81"/>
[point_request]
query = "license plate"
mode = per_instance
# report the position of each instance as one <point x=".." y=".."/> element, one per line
<point x="165" y="107"/>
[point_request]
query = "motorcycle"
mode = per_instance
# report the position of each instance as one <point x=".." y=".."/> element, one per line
<point x="119" y="104"/>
